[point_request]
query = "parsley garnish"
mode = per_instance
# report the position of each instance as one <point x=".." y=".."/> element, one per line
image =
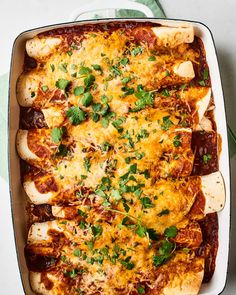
<point x="177" y="141"/>
<point x="85" y="71"/>
<point x="56" y="134"/>
<point x="146" y="202"/>
<point x="87" y="164"/>
<point x="78" y="90"/>
<point x="62" y="84"/>
<point x="151" y="58"/>
<point x="136" y="51"/>
<point x="87" y="99"/>
<point x="171" y="232"/>
<point x="166" y="123"/>
<point x="206" y="158"/>
<point x="44" y="88"/>
<point x="76" y="115"/>
<point x="164" y="212"/>
<point x="124" y="61"/>
<point x="144" y="99"/>
<point x="63" y="67"/>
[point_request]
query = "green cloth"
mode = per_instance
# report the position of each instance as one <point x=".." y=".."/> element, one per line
<point x="154" y="5"/>
<point x="158" y="12"/>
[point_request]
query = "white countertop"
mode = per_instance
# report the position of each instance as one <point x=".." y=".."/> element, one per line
<point x="19" y="15"/>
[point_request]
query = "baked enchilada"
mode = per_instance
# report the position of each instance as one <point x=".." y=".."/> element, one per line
<point x="119" y="152"/>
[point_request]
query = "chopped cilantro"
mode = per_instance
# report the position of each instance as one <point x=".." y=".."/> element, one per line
<point x="140" y="290"/>
<point x="97" y="107"/>
<point x="127" y="91"/>
<point x="205" y="74"/>
<point x="95" y="117"/>
<point x="87" y="99"/>
<point x="44" y="88"/>
<point x="62" y="150"/>
<point x="90" y="244"/>
<point x="76" y="115"/>
<point x="165" y="92"/>
<point x="62" y="84"/>
<point x="124" y="61"/>
<point x="133" y="168"/>
<point x="87" y="164"/>
<point x="206" y="158"/>
<point x="106" y="146"/>
<point x="141" y="231"/>
<point x="202" y="83"/>
<point x="85" y="71"/>
<point x="171" y="232"/>
<point x="164" y="212"/>
<point x="77" y="252"/>
<point x="151" y="58"/>
<point x="97" y="68"/>
<point x="115" y="193"/>
<point x="146" y="202"/>
<point x="144" y="99"/>
<point x="166" y="123"/>
<point x="63" y="67"/>
<point x="96" y="230"/>
<point x="117" y="124"/>
<point x="136" y="51"/>
<point x="115" y="71"/>
<point x="52" y="67"/>
<point x="56" y="134"/>
<point x="78" y="90"/>
<point x="32" y="94"/>
<point x="89" y="80"/>
<point x="69" y="53"/>
<point x="153" y="235"/>
<point x="127" y="263"/>
<point x="127" y="160"/>
<point x="125" y="80"/>
<point x="177" y="141"/>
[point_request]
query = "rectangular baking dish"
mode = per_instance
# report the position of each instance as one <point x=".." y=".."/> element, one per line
<point x="19" y="198"/>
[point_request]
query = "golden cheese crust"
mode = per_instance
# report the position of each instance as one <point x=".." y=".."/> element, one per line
<point x="112" y="157"/>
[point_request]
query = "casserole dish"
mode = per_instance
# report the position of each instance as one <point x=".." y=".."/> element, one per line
<point x="18" y="196"/>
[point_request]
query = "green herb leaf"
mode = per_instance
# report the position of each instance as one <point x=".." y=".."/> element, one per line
<point x="165" y="92"/>
<point x="115" y="71"/>
<point x="63" y="67"/>
<point x="140" y="290"/>
<point x="133" y="168"/>
<point x="78" y="90"/>
<point x="202" y="83"/>
<point x="146" y="202"/>
<point x="62" y="150"/>
<point x="52" y="67"/>
<point x="124" y="61"/>
<point x="77" y="252"/>
<point x="158" y="260"/>
<point x="136" y="51"/>
<point x="115" y="193"/>
<point x="97" y="68"/>
<point x="151" y="58"/>
<point x="76" y="115"/>
<point x="171" y="232"/>
<point x="125" y="80"/>
<point x="87" y="99"/>
<point x="87" y="164"/>
<point x="166" y="123"/>
<point x="177" y="141"/>
<point x="206" y="158"/>
<point x="56" y="134"/>
<point x="141" y="231"/>
<point x="205" y="74"/>
<point x="153" y="235"/>
<point x="96" y="230"/>
<point x="62" y="84"/>
<point x="117" y="124"/>
<point x="95" y="117"/>
<point x="44" y="88"/>
<point x="85" y="71"/>
<point x="164" y="212"/>
<point x="89" y="80"/>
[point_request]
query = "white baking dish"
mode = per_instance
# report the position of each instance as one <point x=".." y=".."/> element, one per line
<point x="18" y="197"/>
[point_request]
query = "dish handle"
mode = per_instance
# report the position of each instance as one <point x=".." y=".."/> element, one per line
<point x="108" y="5"/>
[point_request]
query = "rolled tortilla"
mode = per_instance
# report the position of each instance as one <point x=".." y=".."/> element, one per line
<point x="35" y="196"/>
<point x="40" y="48"/>
<point x="173" y="36"/>
<point x="213" y="189"/>
<point x="22" y="146"/>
